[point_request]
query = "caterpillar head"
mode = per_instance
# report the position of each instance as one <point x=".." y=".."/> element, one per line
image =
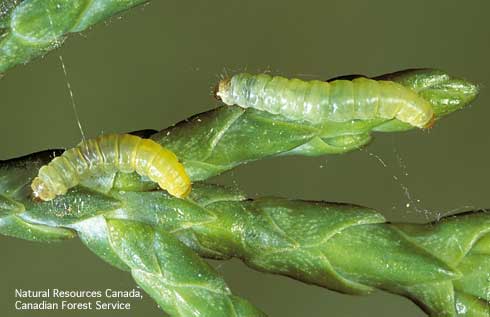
<point x="222" y="91"/>
<point x="41" y="190"/>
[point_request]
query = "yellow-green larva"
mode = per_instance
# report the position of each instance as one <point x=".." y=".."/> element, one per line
<point x="126" y="152"/>
<point x="318" y="102"/>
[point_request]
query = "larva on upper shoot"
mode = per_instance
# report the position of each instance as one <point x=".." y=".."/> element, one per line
<point x="127" y="153"/>
<point x="319" y="102"/>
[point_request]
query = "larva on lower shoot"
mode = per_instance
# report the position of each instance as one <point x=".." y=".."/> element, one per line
<point x="318" y="102"/>
<point x="127" y="153"/>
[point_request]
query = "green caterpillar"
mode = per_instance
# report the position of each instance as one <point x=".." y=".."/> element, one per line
<point x="127" y="153"/>
<point x="319" y="102"/>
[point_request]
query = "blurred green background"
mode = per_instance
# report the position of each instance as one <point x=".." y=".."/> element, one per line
<point x="157" y="65"/>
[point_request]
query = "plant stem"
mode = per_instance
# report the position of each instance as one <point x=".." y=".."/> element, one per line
<point x="31" y="28"/>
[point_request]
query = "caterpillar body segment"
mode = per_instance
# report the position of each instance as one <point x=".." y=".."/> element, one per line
<point x="126" y="153"/>
<point x="318" y="102"/>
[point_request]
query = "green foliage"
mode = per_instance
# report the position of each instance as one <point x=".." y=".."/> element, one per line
<point x="31" y="28"/>
<point x="218" y="140"/>
<point x="351" y="249"/>
<point x="443" y="266"/>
